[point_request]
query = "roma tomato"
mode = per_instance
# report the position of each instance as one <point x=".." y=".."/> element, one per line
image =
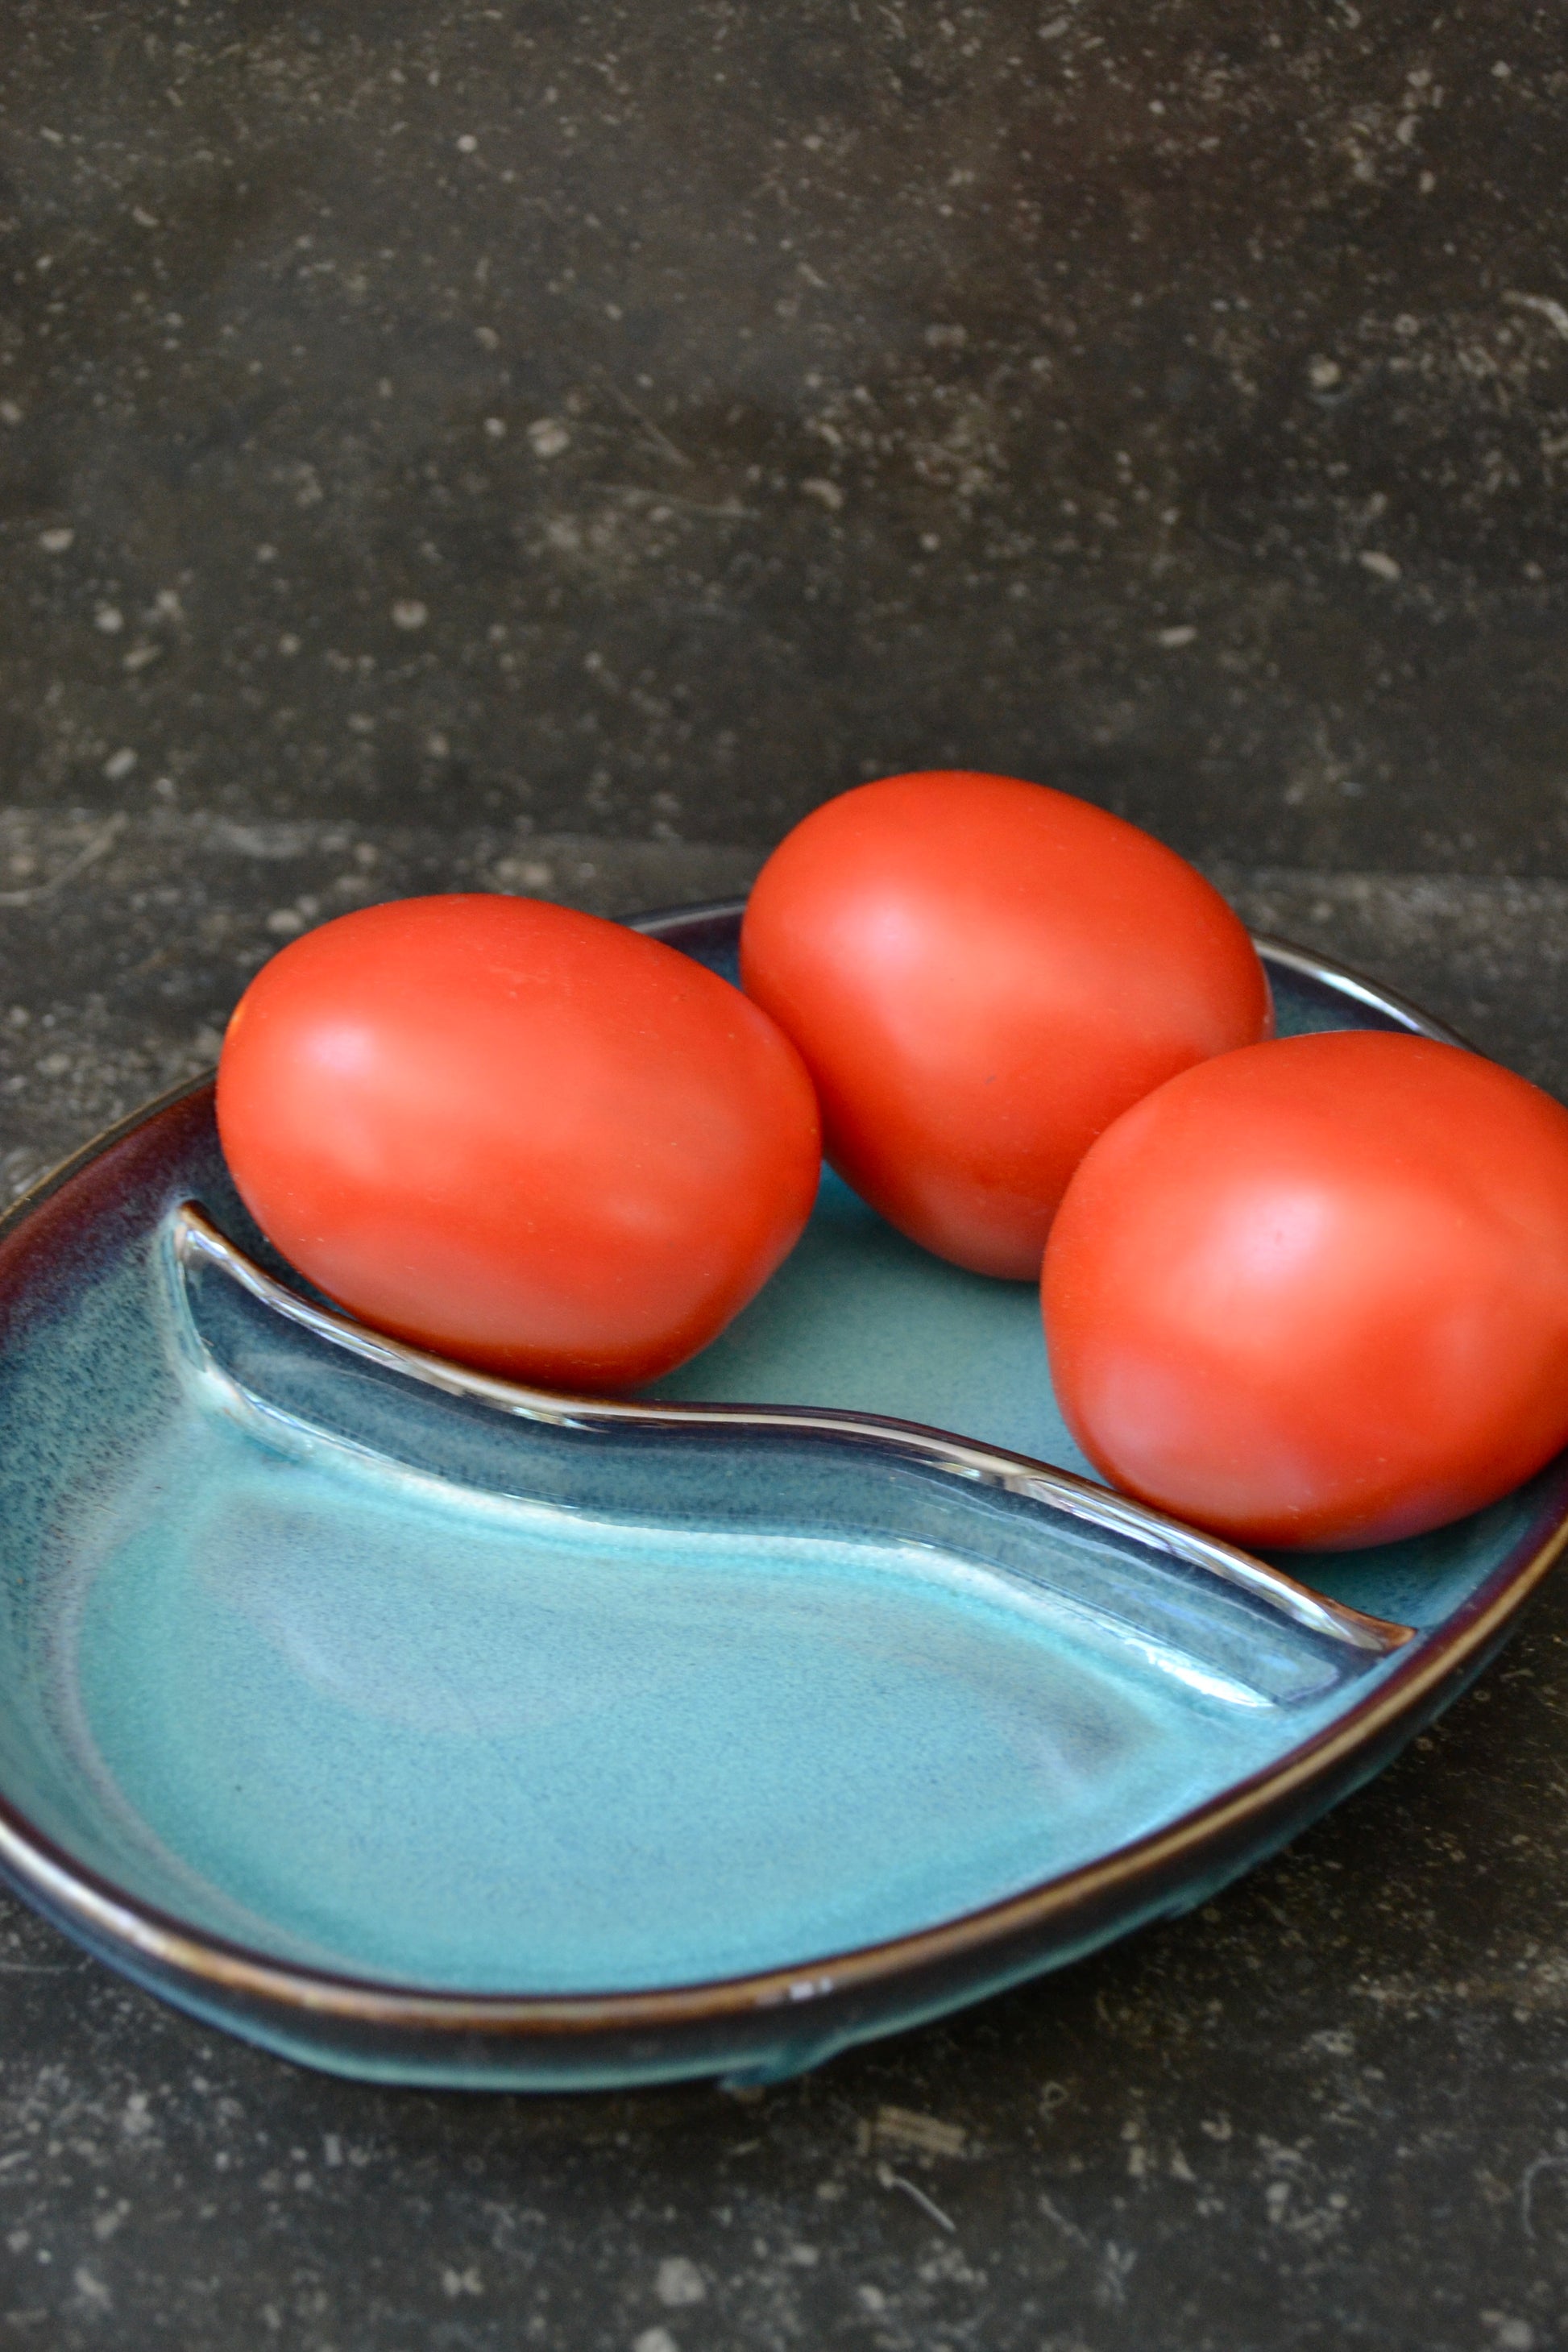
<point x="1316" y="1293"/>
<point x="518" y="1135"/>
<point x="980" y="974"/>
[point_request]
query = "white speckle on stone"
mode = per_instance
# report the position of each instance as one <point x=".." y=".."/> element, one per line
<point x="679" y="2281"/>
<point x="455" y="2282"/>
<point x="656" y="2339"/>
<point x="487" y="339"/>
<point x="408" y="613"/>
<point x="139" y="658"/>
<point x="1545" y="305"/>
<point x="1502" y="70"/>
<point x="331" y="2150"/>
<point x="9" y="413"/>
<point x="91" y="2288"/>
<point x="495" y="426"/>
<point x="547" y="437"/>
<point x="289" y="643"/>
<point x="1382" y="566"/>
<point x="285" y="921"/>
<point x="119" y="764"/>
<point x="110" y="619"/>
<point x="827" y="494"/>
<point x="54" y="543"/>
<point x="437" y="746"/>
<point x="142" y="217"/>
<point x="871" y="2298"/>
<point x="909" y="2127"/>
<point x="1173" y="639"/>
<point x="467" y="143"/>
<point x="1322" y="374"/>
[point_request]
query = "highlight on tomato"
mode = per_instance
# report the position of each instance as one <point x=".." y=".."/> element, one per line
<point x="518" y="1135"/>
<point x="982" y="975"/>
<point x="1315" y="1293"/>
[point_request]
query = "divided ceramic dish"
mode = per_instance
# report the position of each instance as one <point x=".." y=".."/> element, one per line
<point x="429" y="1728"/>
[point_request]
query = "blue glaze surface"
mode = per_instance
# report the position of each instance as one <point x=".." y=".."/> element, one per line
<point x="427" y="1728"/>
<point x="861" y="1319"/>
<point x="369" y="1682"/>
<point x="453" y="1741"/>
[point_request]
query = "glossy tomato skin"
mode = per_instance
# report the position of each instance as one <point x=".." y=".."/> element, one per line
<point x="518" y="1135"/>
<point x="982" y="975"/>
<point x="1315" y="1294"/>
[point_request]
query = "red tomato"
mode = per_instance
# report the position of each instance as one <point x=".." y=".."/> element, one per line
<point x="518" y="1135"/>
<point x="1316" y="1293"/>
<point x="982" y="975"/>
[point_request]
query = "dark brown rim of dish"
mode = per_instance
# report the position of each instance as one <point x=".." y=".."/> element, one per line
<point x="107" y="1914"/>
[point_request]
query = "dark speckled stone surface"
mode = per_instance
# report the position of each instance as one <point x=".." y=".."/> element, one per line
<point x="548" y="448"/>
<point x="598" y="413"/>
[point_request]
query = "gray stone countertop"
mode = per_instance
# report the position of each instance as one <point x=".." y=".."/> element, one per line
<point x="616" y="413"/>
<point x="1329" y="2109"/>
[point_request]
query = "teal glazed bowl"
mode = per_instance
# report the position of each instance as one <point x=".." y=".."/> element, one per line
<point x="435" y="1730"/>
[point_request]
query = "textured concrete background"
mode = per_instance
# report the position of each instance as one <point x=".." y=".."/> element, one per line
<point x="651" y="418"/>
<point x="548" y="447"/>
